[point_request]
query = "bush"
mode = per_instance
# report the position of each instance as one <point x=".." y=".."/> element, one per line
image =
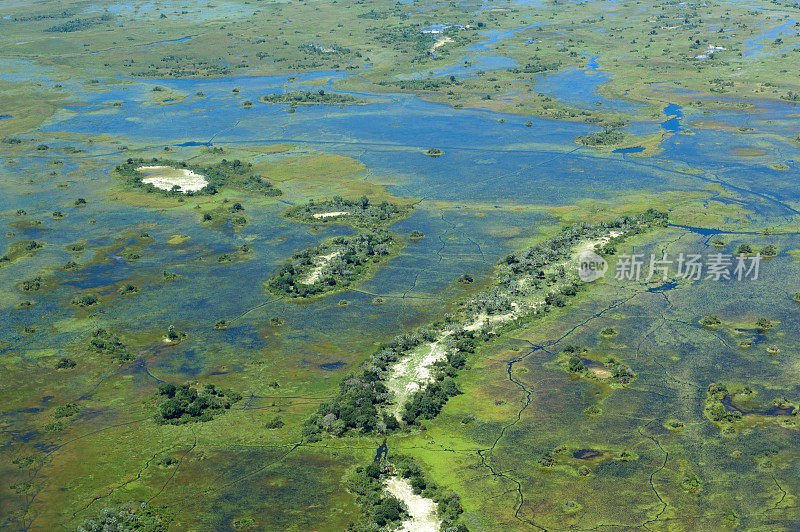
<point x="65" y="363"/>
<point x="85" y="300"/>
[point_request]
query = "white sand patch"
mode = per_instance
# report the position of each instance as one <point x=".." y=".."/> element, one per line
<point x="330" y="214"/>
<point x="166" y="177"/>
<point x="601" y="373"/>
<point x="316" y="272"/>
<point x="589" y="245"/>
<point x="423" y="511"/>
<point x="487" y="321"/>
<point x="441" y="41"/>
<point x="711" y="51"/>
<point x="414" y="371"/>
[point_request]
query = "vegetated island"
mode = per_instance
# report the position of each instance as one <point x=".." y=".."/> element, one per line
<point x="22" y="248"/>
<point x="528" y="283"/>
<point x="611" y="135"/>
<point x="579" y="362"/>
<point x="334" y="265"/>
<point x="297" y="98"/>
<point x="394" y="492"/>
<point x="731" y="408"/>
<point x="184" y="404"/>
<point x="359" y="213"/>
<point x="170" y="177"/>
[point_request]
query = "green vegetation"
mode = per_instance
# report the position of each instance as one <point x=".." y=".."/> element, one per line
<point x="579" y="362"/>
<point x="32" y="285"/>
<point x="85" y="300"/>
<point x="65" y="363"/>
<point x="769" y="251"/>
<point x="131" y="516"/>
<point x="609" y="136"/>
<point x="334" y="265"/>
<point x="184" y="404"/>
<point x="128" y="289"/>
<point x="416" y="235"/>
<point x="367" y="483"/>
<point x="716" y="410"/>
<point x="22" y="248"/>
<point x="358" y="407"/>
<point x="107" y="343"/>
<point x="507" y="181"/>
<point x="608" y="332"/>
<point x="275" y="423"/>
<point x="380" y="509"/>
<point x="67" y="410"/>
<point x="361" y="213"/>
<point x="235" y="174"/>
<point x="297" y="98"/>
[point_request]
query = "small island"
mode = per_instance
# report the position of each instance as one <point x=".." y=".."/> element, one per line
<point x="296" y="98"/>
<point x="170" y="177"/>
<point x="360" y="213"/>
<point x="334" y="265"/>
<point x="185" y="404"/>
<point x="580" y="363"/>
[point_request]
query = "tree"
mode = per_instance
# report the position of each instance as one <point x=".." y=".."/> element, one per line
<point x="171" y="409"/>
<point x="576" y="364"/>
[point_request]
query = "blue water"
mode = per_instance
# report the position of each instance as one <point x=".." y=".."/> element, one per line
<point x="634" y="149"/>
<point x="496" y="36"/>
<point x="578" y="88"/>
<point x="467" y="66"/>
<point x="755" y="46"/>
<point x="676" y="113"/>
<point x="485" y="162"/>
<point x="332" y="366"/>
<point x="182" y="39"/>
<point x="436" y="28"/>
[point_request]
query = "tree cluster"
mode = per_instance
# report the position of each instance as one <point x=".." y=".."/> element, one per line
<point x="360" y="213"/>
<point x="234" y="173"/>
<point x="184" y="404"/>
<point x="352" y="256"/>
